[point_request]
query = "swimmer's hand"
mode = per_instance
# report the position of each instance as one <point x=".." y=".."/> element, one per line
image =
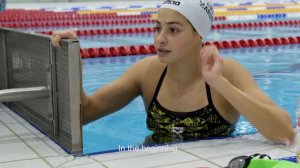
<point x="212" y="64"/>
<point x="62" y="34"/>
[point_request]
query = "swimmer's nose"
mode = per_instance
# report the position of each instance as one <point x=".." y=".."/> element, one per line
<point x="160" y="38"/>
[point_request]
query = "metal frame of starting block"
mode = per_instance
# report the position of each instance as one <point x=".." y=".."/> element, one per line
<point x="42" y="84"/>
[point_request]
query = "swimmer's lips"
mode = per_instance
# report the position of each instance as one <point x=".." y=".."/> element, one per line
<point x="163" y="51"/>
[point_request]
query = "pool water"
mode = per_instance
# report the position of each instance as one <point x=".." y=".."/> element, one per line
<point x="275" y="69"/>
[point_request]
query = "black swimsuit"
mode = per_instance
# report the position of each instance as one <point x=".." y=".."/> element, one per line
<point x="169" y="126"/>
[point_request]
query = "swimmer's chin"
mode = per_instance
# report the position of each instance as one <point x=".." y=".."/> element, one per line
<point x="163" y="59"/>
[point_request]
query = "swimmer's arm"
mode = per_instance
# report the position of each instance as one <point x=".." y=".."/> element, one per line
<point x="247" y="98"/>
<point x="111" y="97"/>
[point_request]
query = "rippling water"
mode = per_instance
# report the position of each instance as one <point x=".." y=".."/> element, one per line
<point x="275" y="69"/>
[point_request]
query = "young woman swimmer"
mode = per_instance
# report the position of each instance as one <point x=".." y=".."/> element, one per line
<point x="189" y="91"/>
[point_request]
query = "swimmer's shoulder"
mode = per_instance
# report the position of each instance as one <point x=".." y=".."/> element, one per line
<point x="231" y="69"/>
<point x="150" y="70"/>
<point x="149" y="66"/>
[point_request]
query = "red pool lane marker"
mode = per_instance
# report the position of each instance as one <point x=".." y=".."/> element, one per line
<point x="150" y="49"/>
<point x="151" y="29"/>
<point x="108" y="31"/>
<point x="76" y="23"/>
<point x="20" y="15"/>
<point x="255" y="24"/>
<point x="40" y="19"/>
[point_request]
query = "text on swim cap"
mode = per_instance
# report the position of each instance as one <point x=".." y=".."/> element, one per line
<point x="177" y="3"/>
<point x="208" y="8"/>
<point x="204" y="4"/>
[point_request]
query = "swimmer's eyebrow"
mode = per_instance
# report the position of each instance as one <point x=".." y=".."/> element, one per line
<point x="169" y="23"/>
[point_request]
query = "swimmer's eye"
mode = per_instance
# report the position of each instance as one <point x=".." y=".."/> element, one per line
<point x="174" y="30"/>
<point x="157" y="29"/>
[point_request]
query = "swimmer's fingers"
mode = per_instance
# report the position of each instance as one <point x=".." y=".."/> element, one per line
<point x="291" y="141"/>
<point x="210" y="56"/>
<point x="206" y="57"/>
<point x="71" y="34"/>
<point x="55" y="40"/>
<point x="58" y="35"/>
<point x="204" y="61"/>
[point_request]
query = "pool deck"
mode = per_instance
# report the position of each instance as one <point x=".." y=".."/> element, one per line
<point x="22" y="145"/>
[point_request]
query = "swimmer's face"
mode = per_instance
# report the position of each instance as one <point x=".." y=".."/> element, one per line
<point x="175" y="38"/>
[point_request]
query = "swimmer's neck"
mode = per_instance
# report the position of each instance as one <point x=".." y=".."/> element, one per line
<point x="185" y="72"/>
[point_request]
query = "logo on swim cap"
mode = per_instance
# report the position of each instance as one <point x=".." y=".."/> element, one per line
<point x="172" y="2"/>
<point x="200" y="13"/>
<point x="2" y="5"/>
<point x="208" y="8"/>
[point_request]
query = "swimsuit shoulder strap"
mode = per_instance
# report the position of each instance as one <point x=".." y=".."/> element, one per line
<point x="159" y="85"/>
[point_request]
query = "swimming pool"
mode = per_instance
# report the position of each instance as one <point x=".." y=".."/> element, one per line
<point x="276" y="70"/>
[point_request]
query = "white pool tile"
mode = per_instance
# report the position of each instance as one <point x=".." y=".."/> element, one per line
<point x="229" y="149"/>
<point x="40" y="147"/>
<point x="6" y="134"/>
<point x="278" y="153"/>
<point x="15" y="150"/>
<point x="193" y="164"/>
<point x="93" y="165"/>
<point x="253" y="137"/>
<point x="6" y="118"/>
<point x="206" y="143"/>
<point x="78" y="161"/>
<point x="224" y="160"/>
<point x="20" y="130"/>
<point x="123" y="155"/>
<point x="117" y="155"/>
<point x="152" y="160"/>
<point x="54" y="146"/>
<point x="32" y="129"/>
<point x="38" y="163"/>
<point x="3" y="107"/>
<point x="56" y="161"/>
<point x="292" y="148"/>
<point x="16" y="117"/>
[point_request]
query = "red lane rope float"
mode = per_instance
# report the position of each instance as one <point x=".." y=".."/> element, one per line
<point x="145" y="20"/>
<point x="151" y="29"/>
<point x="72" y="23"/>
<point x="150" y="49"/>
<point x="21" y="15"/>
<point x="108" y="31"/>
<point x="40" y="15"/>
<point x="255" y="24"/>
<point x="117" y="51"/>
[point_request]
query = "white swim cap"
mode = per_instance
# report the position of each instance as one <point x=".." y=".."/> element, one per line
<point x="199" y="12"/>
